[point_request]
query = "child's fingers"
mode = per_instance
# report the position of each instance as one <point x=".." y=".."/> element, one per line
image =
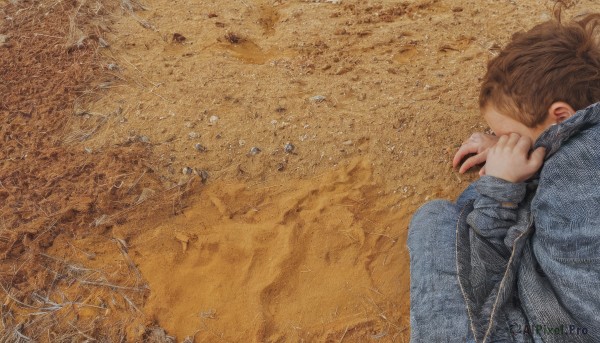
<point x="537" y="158"/>
<point x="501" y="141"/>
<point x="473" y="161"/>
<point x="523" y="144"/>
<point x="513" y="139"/>
<point x="482" y="171"/>
<point x="462" y="152"/>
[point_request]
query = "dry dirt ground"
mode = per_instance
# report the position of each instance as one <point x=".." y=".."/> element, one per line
<point x="230" y="171"/>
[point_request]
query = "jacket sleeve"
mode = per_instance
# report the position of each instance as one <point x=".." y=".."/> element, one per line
<point x="495" y="210"/>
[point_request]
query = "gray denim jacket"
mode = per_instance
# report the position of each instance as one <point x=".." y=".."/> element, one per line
<point x="528" y="254"/>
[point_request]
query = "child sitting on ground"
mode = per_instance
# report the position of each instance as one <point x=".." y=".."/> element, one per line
<point x="517" y="257"/>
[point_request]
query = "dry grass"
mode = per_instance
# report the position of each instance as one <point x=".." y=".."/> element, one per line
<point x="49" y="65"/>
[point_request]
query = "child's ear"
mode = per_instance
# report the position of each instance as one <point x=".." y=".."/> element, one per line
<point x="560" y="111"/>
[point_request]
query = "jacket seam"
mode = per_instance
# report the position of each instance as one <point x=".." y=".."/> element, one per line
<point x="503" y="282"/>
<point x="462" y="290"/>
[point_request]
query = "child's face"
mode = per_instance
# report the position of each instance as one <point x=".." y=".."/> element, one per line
<point x="504" y="125"/>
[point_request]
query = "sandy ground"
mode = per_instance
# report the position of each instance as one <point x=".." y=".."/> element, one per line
<point x="304" y="243"/>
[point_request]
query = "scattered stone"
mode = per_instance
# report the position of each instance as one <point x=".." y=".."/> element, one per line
<point x="213" y="120"/>
<point x="317" y="98"/>
<point x="3" y="39"/>
<point x="280" y="166"/>
<point x="88" y="150"/>
<point x="144" y="139"/>
<point x="203" y="175"/>
<point x="242" y="142"/>
<point x="193" y="135"/>
<point x="233" y="38"/>
<point x="348" y="142"/>
<point x="219" y="135"/>
<point x="178" y="38"/>
<point x="254" y="151"/>
<point x="112" y="66"/>
<point x="190" y="124"/>
<point x="187" y="170"/>
<point x="289" y="148"/>
<point x="199" y="147"/>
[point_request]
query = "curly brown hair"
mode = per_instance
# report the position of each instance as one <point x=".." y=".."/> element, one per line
<point x="551" y="62"/>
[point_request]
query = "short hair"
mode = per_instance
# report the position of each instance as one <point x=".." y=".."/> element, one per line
<point x="550" y="62"/>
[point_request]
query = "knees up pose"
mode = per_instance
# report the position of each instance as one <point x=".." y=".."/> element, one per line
<point x="517" y="257"/>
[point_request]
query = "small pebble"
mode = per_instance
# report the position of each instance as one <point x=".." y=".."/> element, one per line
<point x="203" y="175"/>
<point x="348" y="142"/>
<point x="88" y="150"/>
<point x="213" y="119"/>
<point x="112" y="66"/>
<point x="317" y="98"/>
<point x="199" y="147"/>
<point x="242" y="142"/>
<point x="144" y="139"/>
<point x="187" y="170"/>
<point x="254" y="150"/>
<point x="193" y="135"/>
<point x="178" y="38"/>
<point x="289" y="148"/>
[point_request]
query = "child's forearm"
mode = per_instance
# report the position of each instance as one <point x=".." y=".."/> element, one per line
<point x="495" y="209"/>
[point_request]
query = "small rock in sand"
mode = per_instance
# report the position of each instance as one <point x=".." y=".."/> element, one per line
<point x="199" y="147"/>
<point x="254" y="151"/>
<point x="193" y="135"/>
<point x="317" y="98"/>
<point x="213" y="120"/>
<point x="203" y="175"/>
<point x="289" y="148"/>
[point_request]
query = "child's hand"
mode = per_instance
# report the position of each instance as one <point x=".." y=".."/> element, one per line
<point x="479" y="144"/>
<point x="509" y="159"/>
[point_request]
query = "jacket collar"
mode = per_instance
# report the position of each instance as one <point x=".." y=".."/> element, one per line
<point x="557" y="135"/>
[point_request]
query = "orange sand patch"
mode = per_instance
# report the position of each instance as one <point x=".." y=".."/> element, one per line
<point x="313" y="260"/>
